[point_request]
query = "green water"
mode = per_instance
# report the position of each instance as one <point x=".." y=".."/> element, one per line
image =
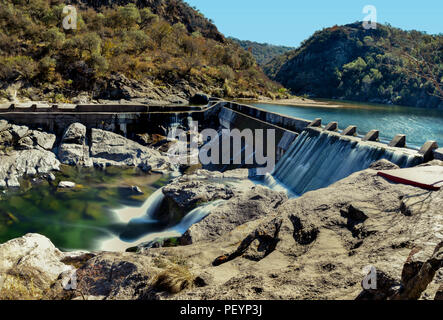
<point x="74" y="218"/>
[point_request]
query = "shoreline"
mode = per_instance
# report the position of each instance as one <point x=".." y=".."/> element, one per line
<point x="297" y="102"/>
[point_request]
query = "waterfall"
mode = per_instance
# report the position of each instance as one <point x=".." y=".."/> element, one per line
<point x="149" y="207"/>
<point x="318" y="159"/>
<point x="116" y="243"/>
<point x="195" y="216"/>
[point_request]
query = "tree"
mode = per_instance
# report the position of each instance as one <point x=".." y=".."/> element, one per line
<point x="421" y="58"/>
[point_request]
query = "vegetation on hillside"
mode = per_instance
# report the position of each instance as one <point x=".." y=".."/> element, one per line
<point x="385" y="65"/>
<point x="164" y="41"/>
<point x="262" y="52"/>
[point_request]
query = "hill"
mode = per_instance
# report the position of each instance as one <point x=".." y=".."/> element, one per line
<point x="262" y="52"/>
<point x="382" y="65"/>
<point x="123" y="49"/>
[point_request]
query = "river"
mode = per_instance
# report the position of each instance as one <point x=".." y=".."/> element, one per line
<point x="418" y="124"/>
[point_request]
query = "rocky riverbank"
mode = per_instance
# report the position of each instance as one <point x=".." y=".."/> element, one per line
<point x="32" y="153"/>
<point x="258" y="245"/>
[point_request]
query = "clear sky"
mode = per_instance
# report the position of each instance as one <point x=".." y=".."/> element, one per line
<point x="288" y="22"/>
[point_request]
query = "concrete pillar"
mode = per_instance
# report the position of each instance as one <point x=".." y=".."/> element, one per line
<point x="350" y="131"/>
<point x="332" y="126"/>
<point x="315" y="123"/>
<point x="399" y="141"/>
<point x="438" y="154"/>
<point x="371" y="136"/>
<point x="427" y="150"/>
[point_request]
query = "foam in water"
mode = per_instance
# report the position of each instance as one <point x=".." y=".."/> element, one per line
<point x="195" y="216"/>
<point x="316" y="160"/>
<point x="117" y="244"/>
<point x="149" y="207"/>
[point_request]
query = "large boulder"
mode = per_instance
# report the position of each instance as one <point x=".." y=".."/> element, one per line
<point x="108" y="148"/>
<point x="43" y="139"/>
<point x="75" y="134"/>
<point x="115" y="276"/>
<point x="205" y="186"/>
<point x="29" y="266"/>
<point x="26" y="162"/>
<point x="254" y="204"/>
<point x="74" y="154"/>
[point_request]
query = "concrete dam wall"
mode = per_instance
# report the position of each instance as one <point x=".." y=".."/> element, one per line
<point x="124" y="119"/>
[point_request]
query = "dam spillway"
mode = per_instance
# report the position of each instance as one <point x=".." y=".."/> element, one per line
<point x="319" y="158"/>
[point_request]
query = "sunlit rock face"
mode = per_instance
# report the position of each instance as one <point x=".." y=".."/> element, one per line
<point x="24" y="152"/>
<point x="106" y="148"/>
<point x="29" y="266"/>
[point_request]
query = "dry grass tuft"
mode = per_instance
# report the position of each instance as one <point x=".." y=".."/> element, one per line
<point x="174" y="279"/>
<point x="16" y="288"/>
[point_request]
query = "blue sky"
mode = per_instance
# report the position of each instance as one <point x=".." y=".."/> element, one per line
<point x="288" y="22"/>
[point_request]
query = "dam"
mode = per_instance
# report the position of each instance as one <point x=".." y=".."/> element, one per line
<point x="309" y="155"/>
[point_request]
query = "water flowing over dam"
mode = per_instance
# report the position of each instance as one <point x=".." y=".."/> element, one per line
<point x="317" y="159"/>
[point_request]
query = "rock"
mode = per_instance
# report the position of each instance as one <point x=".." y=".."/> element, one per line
<point x="144" y="139"/>
<point x="4" y="125"/>
<point x="108" y="148"/>
<point x="18" y="132"/>
<point x="136" y="190"/>
<point x="13" y="182"/>
<point x="74" y="154"/>
<point x="199" y="98"/>
<point x="25" y="143"/>
<point x="439" y="294"/>
<point x="6" y="139"/>
<point x="82" y="98"/>
<point x="43" y="139"/>
<point x="75" y="134"/>
<point x="51" y="177"/>
<point x="29" y="266"/>
<point x="254" y="204"/>
<point x="66" y="184"/>
<point x="260" y="245"/>
<point x="383" y="164"/>
<point x="316" y="246"/>
<point x="205" y="186"/>
<point x="30" y="162"/>
<point x="115" y="276"/>
<point x="417" y="275"/>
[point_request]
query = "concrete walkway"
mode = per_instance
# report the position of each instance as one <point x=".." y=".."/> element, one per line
<point x="430" y="178"/>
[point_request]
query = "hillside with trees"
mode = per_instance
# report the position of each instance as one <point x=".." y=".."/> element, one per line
<point x="262" y="52"/>
<point x="383" y="65"/>
<point x="162" y="45"/>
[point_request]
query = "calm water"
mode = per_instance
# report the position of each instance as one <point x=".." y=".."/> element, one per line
<point x="80" y="218"/>
<point x="419" y="125"/>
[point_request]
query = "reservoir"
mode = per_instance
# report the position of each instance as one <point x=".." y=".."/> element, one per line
<point x="418" y="124"/>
